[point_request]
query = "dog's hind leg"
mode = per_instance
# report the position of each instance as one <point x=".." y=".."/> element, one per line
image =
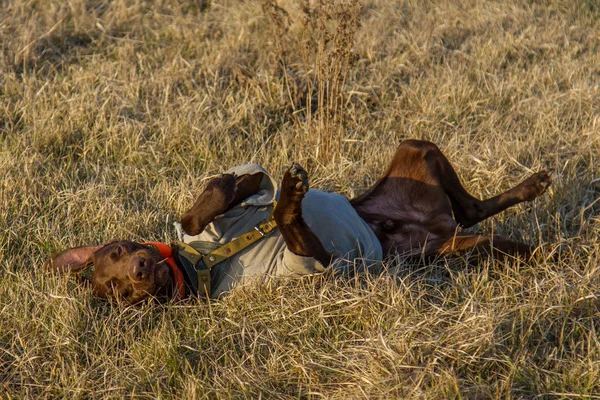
<point x="494" y="245"/>
<point x="420" y="198"/>
<point x="469" y="210"/>
<point x="420" y="170"/>
<point x="298" y="236"/>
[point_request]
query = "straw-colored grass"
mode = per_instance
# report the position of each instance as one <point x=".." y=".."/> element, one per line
<point x="114" y="113"/>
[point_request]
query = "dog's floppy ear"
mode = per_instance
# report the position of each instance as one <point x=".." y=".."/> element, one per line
<point x="72" y="260"/>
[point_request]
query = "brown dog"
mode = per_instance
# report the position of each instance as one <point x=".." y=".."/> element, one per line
<point x="415" y="208"/>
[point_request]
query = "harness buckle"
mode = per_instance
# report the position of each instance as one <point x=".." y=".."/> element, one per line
<point x="259" y="230"/>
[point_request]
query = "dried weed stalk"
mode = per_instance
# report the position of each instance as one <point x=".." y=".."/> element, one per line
<point x="316" y="77"/>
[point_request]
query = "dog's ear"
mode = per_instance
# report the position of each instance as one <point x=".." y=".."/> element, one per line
<point x="72" y="260"/>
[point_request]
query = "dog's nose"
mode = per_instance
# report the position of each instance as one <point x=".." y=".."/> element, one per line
<point x="139" y="269"/>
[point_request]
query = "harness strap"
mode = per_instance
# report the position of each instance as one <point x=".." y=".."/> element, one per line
<point x="197" y="258"/>
<point x="240" y="243"/>
<point x="192" y="263"/>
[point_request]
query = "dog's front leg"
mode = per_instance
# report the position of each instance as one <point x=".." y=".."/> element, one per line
<point x="214" y="200"/>
<point x="298" y="236"/>
<point x="221" y="194"/>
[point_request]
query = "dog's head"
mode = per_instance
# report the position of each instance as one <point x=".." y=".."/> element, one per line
<point x="127" y="270"/>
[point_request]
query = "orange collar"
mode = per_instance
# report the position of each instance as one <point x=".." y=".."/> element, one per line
<point x="166" y="252"/>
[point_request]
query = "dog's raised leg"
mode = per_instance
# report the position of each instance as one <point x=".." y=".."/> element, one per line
<point x="420" y="167"/>
<point x="298" y="236"/>
<point x="220" y="194"/>
<point x="469" y="210"/>
<point x="418" y="202"/>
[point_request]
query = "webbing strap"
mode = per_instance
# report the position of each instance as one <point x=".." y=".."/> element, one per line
<point x="240" y="243"/>
<point x="202" y="256"/>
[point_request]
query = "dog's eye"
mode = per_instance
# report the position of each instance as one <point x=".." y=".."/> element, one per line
<point x="118" y="252"/>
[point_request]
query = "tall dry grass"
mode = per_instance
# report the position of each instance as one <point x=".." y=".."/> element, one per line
<point x="112" y="114"/>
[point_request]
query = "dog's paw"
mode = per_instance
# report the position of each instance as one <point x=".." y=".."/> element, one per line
<point x="534" y="186"/>
<point x="295" y="180"/>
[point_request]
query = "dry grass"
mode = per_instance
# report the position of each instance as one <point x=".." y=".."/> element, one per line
<point x="113" y="113"/>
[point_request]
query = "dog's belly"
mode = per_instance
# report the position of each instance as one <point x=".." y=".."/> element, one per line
<point x="412" y="234"/>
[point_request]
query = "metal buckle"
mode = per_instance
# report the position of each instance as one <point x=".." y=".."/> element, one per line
<point x="262" y="233"/>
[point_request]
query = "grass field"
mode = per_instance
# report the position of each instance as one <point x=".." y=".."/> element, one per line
<point x="114" y="113"/>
